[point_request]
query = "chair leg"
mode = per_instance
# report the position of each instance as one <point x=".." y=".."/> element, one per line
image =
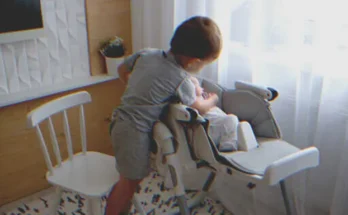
<point x="137" y="205"/>
<point x="56" y="200"/>
<point x="95" y="206"/>
<point x="285" y="197"/>
<point x="184" y="209"/>
<point x="179" y="192"/>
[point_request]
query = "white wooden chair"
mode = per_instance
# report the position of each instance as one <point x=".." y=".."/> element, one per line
<point x="90" y="174"/>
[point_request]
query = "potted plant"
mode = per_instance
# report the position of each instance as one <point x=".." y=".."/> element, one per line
<point x="114" y="51"/>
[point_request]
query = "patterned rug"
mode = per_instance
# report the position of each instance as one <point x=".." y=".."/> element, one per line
<point x="155" y="199"/>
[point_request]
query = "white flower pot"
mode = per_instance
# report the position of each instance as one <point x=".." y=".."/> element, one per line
<point x="112" y="65"/>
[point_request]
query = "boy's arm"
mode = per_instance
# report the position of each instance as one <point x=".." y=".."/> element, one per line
<point x="204" y="105"/>
<point x="123" y="73"/>
<point x="125" y="69"/>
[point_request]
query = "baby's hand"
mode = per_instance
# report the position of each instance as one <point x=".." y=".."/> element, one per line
<point x="205" y="95"/>
<point x="214" y="97"/>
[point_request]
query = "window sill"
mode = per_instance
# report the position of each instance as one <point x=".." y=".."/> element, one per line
<point x="14" y="98"/>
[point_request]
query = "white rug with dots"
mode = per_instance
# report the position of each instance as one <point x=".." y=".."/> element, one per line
<point x="155" y="199"/>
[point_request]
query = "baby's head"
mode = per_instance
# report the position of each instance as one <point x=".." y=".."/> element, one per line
<point x="196" y="43"/>
<point x="199" y="89"/>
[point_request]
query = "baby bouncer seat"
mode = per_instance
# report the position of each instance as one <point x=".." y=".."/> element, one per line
<point x="182" y="144"/>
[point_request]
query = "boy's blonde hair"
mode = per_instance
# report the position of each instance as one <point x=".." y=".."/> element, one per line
<point x="198" y="37"/>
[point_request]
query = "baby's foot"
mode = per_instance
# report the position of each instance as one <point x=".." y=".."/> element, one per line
<point x="228" y="142"/>
<point x="226" y="147"/>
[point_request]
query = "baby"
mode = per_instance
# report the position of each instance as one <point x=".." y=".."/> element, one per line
<point x="222" y="126"/>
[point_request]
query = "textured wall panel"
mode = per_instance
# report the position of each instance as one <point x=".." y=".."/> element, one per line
<point x="59" y="56"/>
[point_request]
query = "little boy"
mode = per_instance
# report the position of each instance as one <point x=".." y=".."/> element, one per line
<point x="156" y="78"/>
<point x="222" y="126"/>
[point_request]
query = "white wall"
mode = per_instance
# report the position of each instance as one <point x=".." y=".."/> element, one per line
<point x="59" y="56"/>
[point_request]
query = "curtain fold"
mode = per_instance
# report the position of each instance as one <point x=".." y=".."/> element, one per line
<point x="298" y="47"/>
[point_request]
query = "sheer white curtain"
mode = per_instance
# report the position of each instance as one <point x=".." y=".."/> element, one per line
<point x="297" y="47"/>
<point x="154" y="22"/>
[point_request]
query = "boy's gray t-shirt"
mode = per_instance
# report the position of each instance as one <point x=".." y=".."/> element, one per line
<point x="156" y="79"/>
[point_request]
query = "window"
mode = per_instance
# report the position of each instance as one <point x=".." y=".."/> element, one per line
<point x="302" y="34"/>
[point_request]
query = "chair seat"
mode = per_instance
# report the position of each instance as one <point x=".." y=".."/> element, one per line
<point x="92" y="174"/>
<point x="257" y="160"/>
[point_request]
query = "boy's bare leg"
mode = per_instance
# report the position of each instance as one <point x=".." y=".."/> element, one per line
<point x="120" y="196"/>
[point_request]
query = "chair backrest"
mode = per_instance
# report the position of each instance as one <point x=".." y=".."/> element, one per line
<point x="59" y="105"/>
<point x="247" y="106"/>
<point x="254" y="109"/>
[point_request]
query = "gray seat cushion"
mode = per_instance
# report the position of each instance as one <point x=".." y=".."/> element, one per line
<point x="257" y="160"/>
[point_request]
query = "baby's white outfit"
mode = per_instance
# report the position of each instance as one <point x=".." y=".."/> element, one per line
<point x="223" y="129"/>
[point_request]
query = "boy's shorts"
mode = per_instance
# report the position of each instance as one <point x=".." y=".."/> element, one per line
<point x="131" y="148"/>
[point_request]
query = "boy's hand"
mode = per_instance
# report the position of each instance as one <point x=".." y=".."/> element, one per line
<point x="205" y="105"/>
<point x="123" y="73"/>
<point x="127" y="77"/>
